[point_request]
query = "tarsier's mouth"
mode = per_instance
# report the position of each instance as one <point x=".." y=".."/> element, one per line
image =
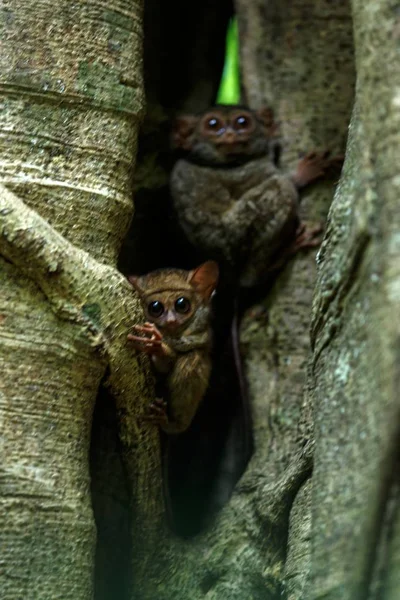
<point x="171" y="327"/>
<point x="232" y="148"/>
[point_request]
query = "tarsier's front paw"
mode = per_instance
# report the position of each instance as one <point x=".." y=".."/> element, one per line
<point x="322" y="162"/>
<point x="307" y="237"/>
<point x="157" y="413"/>
<point x="317" y="165"/>
<point x="150" y="342"/>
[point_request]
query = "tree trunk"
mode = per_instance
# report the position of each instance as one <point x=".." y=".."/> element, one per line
<point x="355" y="326"/>
<point x="316" y="513"/>
<point x="72" y="95"/>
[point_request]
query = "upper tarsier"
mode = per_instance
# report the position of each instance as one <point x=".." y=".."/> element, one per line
<point x="231" y="200"/>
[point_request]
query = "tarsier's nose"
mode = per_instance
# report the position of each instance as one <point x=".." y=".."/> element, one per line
<point x="170" y="318"/>
<point x="229" y="136"/>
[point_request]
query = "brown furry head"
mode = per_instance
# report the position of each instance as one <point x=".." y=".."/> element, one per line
<point x="176" y="300"/>
<point x="225" y="135"/>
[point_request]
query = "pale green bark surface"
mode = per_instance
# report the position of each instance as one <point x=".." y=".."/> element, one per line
<point x="297" y="57"/>
<point x="356" y="332"/>
<point x="71" y="96"/>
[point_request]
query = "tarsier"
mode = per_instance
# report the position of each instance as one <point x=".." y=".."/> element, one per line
<point x="231" y="200"/>
<point x="177" y="336"/>
<point x="236" y="206"/>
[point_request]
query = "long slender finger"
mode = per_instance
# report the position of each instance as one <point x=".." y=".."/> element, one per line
<point x="137" y="338"/>
<point x="142" y="328"/>
<point x="157" y="411"/>
<point x="154" y="330"/>
<point x="151" y="418"/>
<point x="149" y="329"/>
<point x="160" y="402"/>
<point x="143" y="340"/>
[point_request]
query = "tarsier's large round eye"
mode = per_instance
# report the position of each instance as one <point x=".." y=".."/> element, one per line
<point x="242" y="122"/>
<point x="155" y="308"/>
<point x="182" y="305"/>
<point x="214" y="124"/>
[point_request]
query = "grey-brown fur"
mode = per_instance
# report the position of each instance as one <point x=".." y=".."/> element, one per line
<point x="243" y="214"/>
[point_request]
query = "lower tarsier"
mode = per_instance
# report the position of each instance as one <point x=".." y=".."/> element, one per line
<point x="178" y="338"/>
<point x="237" y="208"/>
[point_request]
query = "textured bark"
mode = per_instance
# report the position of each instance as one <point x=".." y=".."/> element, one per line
<point x="355" y="327"/>
<point x="71" y="97"/>
<point x="297" y="566"/>
<point x="296" y="56"/>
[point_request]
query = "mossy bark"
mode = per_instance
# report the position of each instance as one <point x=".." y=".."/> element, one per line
<point x="71" y="99"/>
<point x="298" y="58"/>
<point x="355" y="330"/>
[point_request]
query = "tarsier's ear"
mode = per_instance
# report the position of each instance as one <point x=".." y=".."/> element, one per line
<point x="182" y="130"/>
<point x="205" y="278"/>
<point x="265" y="114"/>
<point x="136" y="282"/>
